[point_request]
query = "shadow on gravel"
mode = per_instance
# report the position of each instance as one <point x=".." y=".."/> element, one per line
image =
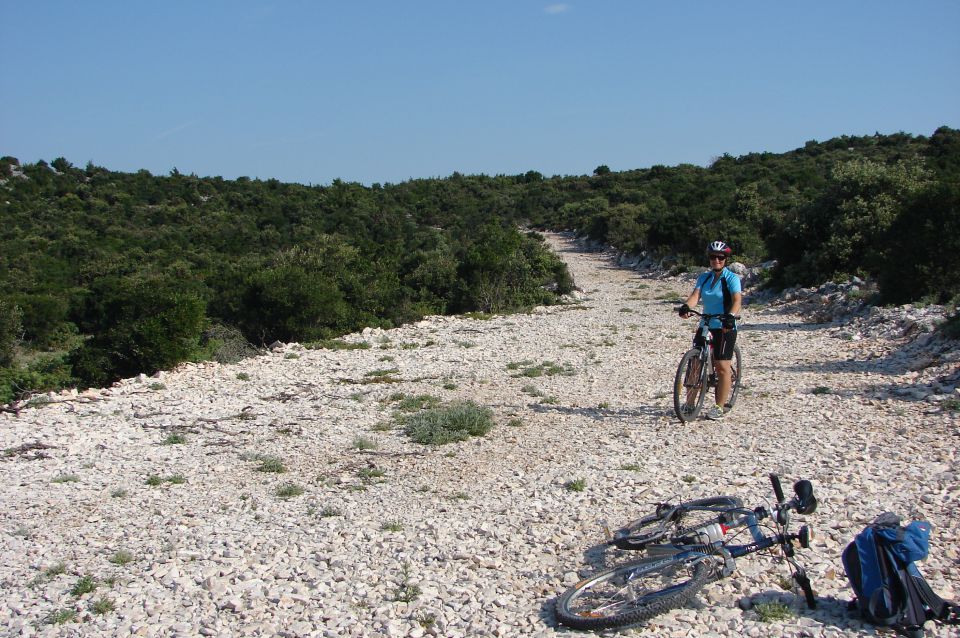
<point x="599" y="414"/>
<point x="781" y="327"/>
<point x="830" y="612"/>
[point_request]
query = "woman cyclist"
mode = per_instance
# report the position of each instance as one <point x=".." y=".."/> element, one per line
<point x="719" y="289"/>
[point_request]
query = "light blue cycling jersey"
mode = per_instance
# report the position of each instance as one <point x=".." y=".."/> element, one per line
<point x="711" y="292"/>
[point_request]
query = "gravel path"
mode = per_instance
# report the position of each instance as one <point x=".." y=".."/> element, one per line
<point x="467" y="539"/>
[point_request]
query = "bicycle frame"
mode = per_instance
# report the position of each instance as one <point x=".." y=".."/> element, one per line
<point x="700" y="375"/>
<point x="750" y="519"/>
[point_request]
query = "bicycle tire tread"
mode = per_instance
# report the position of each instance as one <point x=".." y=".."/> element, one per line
<point x="702" y="575"/>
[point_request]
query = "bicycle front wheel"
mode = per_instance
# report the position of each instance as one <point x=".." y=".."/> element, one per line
<point x="632" y="593"/>
<point x="690" y="385"/>
<point x="736" y="371"/>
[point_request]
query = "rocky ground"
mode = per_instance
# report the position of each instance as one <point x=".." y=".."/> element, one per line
<point x="145" y="509"/>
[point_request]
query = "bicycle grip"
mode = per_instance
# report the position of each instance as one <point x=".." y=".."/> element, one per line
<point x="777" y="488"/>
<point x="804" y="581"/>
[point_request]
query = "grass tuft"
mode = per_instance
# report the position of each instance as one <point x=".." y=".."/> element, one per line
<point x="449" y="423"/>
<point x="289" y="490"/>
<point x="85" y="585"/>
<point x="576" y="485"/>
<point x="773" y="611"/>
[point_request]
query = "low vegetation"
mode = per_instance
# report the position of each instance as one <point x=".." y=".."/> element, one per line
<point x="449" y="423"/>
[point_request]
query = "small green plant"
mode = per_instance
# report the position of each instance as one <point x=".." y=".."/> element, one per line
<point x="821" y="389"/>
<point x="460" y="496"/>
<point x="55" y="570"/>
<point x="515" y="423"/>
<point x="370" y="473"/>
<point x="174" y="439"/>
<point x="419" y="402"/>
<point x="951" y="404"/>
<point x="427" y="620"/>
<point x="157" y="386"/>
<point x="549" y="400"/>
<point x="688" y="478"/>
<point x="118" y="493"/>
<point x="630" y="467"/>
<point x="547" y="368"/>
<point x="449" y="385"/>
<point x="406" y="592"/>
<point x="363" y="443"/>
<point x="271" y="464"/>
<point x="449" y="423"/>
<point x="291" y="355"/>
<point x="392" y="526"/>
<point x="576" y="485"/>
<point x="85" y="585"/>
<point x="289" y="490"/>
<point x="102" y="606"/>
<point x="176" y="479"/>
<point x="382" y="426"/>
<point x="531" y="390"/>
<point x="603" y="405"/>
<point x="65" y="478"/>
<point x="329" y="512"/>
<point x="772" y="611"/>
<point x="243" y="376"/>
<point x="153" y="480"/>
<point x="60" y="617"/>
<point x="122" y="557"/>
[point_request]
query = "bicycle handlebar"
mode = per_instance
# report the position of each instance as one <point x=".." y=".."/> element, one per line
<point x="708" y="316"/>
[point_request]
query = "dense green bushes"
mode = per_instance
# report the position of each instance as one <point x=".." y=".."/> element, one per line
<point x="125" y="273"/>
<point x="109" y="274"/>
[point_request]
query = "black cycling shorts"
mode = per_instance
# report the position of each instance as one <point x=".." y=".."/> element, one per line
<point x="723" y="343"/>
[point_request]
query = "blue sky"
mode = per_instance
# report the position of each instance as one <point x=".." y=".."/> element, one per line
<point x="384" y="91"/>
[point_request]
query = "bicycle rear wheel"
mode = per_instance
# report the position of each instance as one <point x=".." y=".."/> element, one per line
<point x="634" y="592"/>
<point x="669" y="522"/>
<point x="736" y="378"/>
<point x="690" y="385"/>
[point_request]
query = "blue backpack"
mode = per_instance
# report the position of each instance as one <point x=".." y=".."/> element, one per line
<point x="889" y="589"/>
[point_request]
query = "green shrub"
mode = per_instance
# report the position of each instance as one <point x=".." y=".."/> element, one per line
<point x="226" y="344"/>
<point x="46" y="373"/>
<point x="11" y="327"/>
<point x="455" y="421"/>
<point x="140" y="325"/>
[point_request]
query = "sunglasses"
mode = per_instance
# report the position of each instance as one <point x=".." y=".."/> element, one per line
<point x="719" y="257"/>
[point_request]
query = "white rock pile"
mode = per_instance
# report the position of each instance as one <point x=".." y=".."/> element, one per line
<point x="149" y="508"/>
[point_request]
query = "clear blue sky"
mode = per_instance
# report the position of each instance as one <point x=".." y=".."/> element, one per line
<point x="387" y="90"/>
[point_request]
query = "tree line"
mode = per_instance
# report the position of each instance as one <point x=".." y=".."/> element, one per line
<point x="106" y="274"/>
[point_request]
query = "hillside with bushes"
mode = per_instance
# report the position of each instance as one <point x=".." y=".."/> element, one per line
<point x="105" y="274"/>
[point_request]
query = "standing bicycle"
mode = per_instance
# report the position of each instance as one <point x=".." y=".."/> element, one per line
<point x="719" y="290"/>
<point x="696" y="374"/>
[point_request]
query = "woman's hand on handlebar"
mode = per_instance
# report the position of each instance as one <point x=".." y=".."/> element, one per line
<point x="684" y="311"/>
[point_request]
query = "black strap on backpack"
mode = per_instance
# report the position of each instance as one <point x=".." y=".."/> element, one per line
<point x="940" y="609"/>
<point x="727" y="297"/>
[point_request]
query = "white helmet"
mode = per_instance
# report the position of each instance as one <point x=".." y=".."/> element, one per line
<point x="718" y="247"/>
